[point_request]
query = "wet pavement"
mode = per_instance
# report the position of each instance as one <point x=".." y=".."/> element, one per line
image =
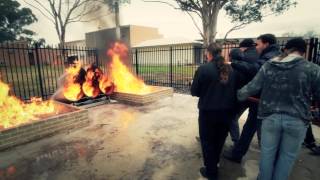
<point x="156" y="141"/>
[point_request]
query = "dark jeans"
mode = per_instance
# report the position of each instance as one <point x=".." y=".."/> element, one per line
<point x="250" y="127"/>
<point x="309" y="139"/>
<point x="213" y="130"/>
<point x="234" y="127"/>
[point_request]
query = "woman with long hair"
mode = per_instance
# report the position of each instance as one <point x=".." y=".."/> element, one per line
<point x="215" y="84"/>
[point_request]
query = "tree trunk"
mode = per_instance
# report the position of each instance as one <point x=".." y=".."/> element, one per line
<point x="118" y="33"/>
<point x="209" y="22"/>
<point x="63" y="37"/>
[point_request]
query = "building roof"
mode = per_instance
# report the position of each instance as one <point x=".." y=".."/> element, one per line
<point x="166" y="41"/>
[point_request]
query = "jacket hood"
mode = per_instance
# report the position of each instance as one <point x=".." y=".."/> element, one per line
<point x="270" y="51"/>
<point x="288" y="62"/>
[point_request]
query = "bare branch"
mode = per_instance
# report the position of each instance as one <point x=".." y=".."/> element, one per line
<point x="43" y="6"/>
<point x="40" y="10"/>
<point x="163" y="2"/>
<point x="88" y="20"/>
<point x="195" y="24"/>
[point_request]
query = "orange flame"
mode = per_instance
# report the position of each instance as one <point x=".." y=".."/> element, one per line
<point x="125" y="81"/>
<point x="14" y="112"/>
<point x="91" y="86"/>
<point x="72" y="90"/>
<point x="106" y="85"/>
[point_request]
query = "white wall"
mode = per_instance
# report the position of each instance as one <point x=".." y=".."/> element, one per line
<point x="181" y="55"/>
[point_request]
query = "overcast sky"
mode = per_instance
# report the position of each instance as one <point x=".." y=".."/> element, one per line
<point x="174" y="23"/>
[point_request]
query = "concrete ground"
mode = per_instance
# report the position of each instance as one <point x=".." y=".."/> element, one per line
<point x="130" y="142"/>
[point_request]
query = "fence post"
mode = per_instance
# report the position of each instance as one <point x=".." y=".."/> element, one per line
<point x="316" y="47"/>
<point x="171" y="67"/>
<point x="311" y="46"/>
<point x="137" y="62"/>
<point x="39" y="69"/>
<point x="97" y="58"/>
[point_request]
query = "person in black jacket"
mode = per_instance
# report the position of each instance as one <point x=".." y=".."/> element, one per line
<point x="267" y="48"/>
<point x="240" y="57"/>
<point x="215" y="84"/>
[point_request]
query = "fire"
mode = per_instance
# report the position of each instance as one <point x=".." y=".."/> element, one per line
<point x="14" y="112"/>
<point x="91" y="86"/>
<point x="125" y="81"/>
<point x="72" y="89"/>
<point x="106" y="85"/>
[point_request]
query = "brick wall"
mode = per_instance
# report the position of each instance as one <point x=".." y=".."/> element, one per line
<point x="136" y="99"/>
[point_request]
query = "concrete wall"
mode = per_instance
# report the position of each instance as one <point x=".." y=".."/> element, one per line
<point x="131" y="35"/>
<point x="139" y="34"/>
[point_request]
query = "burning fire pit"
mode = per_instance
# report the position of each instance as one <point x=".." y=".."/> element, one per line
<point x="24" y="122"/>
<point x="65" y="118"/>
<point x="83" y="87"/>
<point x="128" y="87"/>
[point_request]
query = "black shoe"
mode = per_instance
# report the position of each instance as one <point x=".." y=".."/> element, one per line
<point x="315" y="151"/>
<point x="229" y="155"/>
<point x="204" y="173"/>
<point x="310" y="145"/>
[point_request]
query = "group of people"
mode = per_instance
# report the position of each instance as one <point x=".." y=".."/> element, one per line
<point x="276" y="86"/>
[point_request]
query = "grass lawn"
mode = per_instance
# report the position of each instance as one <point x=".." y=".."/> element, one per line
<point x="183" y="70"/>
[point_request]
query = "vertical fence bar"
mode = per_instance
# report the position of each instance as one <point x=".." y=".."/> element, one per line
<point x="21" y="72"/>
<point x="15" y="59"/>
<point x="54" y="66"/>
<point x="171" y="64"/>
<point x="27" y="64"/>
<point x="39" y="69"/>
<point x="5" y="63"/>
<point x="13" y="81"/>
<point x="310" y="51"/>
<point x="315" y="50"/>
<point x="137" y="62"/>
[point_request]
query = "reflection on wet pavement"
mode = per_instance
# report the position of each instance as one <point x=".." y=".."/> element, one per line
<point x="156" y="141"/>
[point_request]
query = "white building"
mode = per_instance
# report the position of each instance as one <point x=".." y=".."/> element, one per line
<point x="178" y="51"/>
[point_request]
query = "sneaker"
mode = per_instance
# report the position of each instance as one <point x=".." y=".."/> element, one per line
<point x="315" y="151"/>
<point x="229" y="155"/>
<point x="310" y="145"/>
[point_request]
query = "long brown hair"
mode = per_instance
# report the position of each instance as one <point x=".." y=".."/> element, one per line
<point x="224" y="69"/>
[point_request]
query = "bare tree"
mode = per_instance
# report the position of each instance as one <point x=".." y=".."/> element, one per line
<point x="62" y="13"/>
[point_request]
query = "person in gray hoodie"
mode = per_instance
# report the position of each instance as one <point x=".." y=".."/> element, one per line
<point x="287" y="84"/>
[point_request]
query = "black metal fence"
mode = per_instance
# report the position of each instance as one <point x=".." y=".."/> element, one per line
<point x="34" y="71"/>
<point x="174" y="66"/>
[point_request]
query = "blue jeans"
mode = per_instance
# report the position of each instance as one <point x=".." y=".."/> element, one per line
<point x="281" y="139"/>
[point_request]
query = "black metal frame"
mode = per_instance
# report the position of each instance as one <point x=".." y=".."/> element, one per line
<point x="33" y="71"/>
<point x="180" y="76"/>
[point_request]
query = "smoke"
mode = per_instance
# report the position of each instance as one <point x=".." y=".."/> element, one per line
<point x="102" y="18"/>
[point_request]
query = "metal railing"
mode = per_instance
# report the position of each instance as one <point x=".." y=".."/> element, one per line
<point x="34" y="71"/>
<point x="174" y="66"/>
